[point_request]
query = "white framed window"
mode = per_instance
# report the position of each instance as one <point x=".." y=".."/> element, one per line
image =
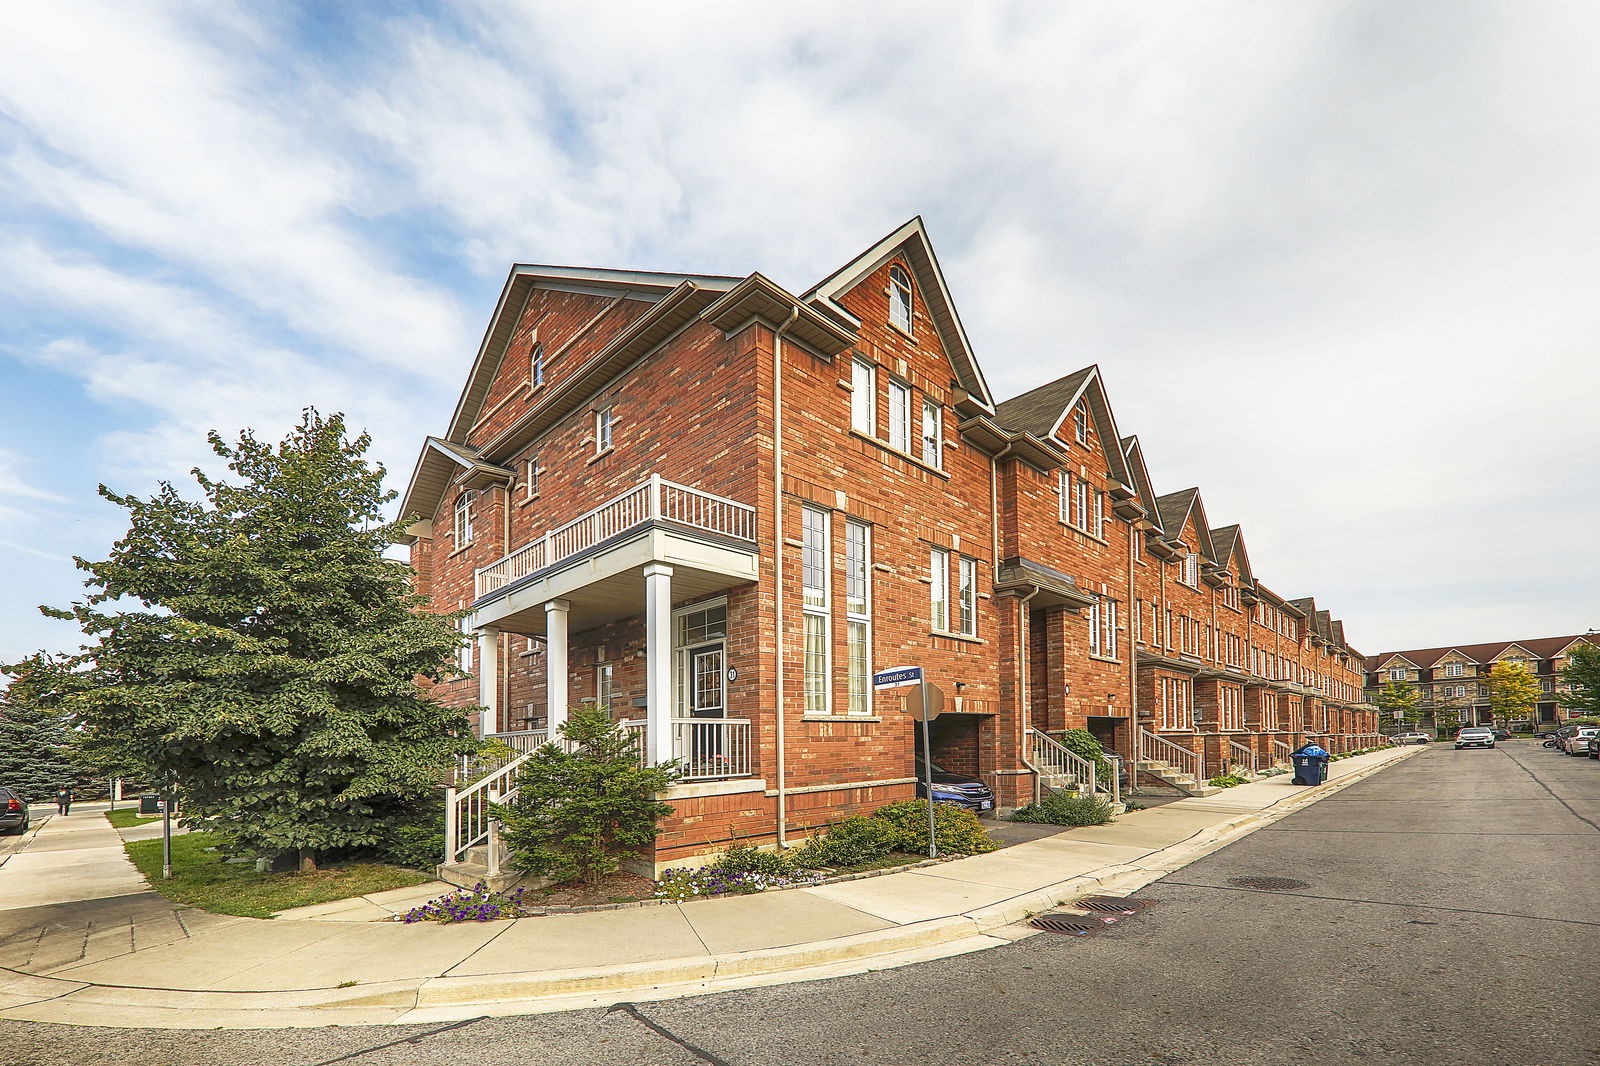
<point x="932" y="434"/>
<point x="1176" y="706"/>
<point x="817" y="666"/>
<point x="463" y="519"/>
<point x="1190" y="571"/>
<point x="899" y="298"/>
<point x="1080" y="424"/>
<point x="530" y="476"/>
<point x="967" y="596"/>
<point x="900" y="416"/>
<point x="858" y="616"/>
<point x="1397" y="673"/>
<point x="1269" y="712"/>
<point x="1103" y="628"/>
<point x="1452" y="670"/>
<point x="863" y="396"/>
<point x="536" y="366"/>
<point x="1230" y="707"/>
<point x="605" y="424"/>
<point x="939" y="589"/>
<point x="464" y="653"/>
<point x="602" y="686"/>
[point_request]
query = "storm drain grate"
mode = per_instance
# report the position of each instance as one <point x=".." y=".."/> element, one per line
<point x="1112" y="904"/>
<point x="1071" y="924"/>
<point x="1268" y="884"/>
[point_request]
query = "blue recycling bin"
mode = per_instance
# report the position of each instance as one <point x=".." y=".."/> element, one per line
<point x="1310" y="769"/>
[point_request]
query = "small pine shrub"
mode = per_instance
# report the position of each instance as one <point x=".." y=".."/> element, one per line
<point x="1066" y="810"/>
<point x="960" y="832"/>
<point x="852" y="842"/>
<point x="1133" y="805"/>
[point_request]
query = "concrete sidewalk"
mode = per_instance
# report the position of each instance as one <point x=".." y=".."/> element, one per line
<point x="83" y="940"/>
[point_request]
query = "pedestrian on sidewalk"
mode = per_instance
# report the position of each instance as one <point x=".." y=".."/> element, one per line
<point x="64" y="799"/>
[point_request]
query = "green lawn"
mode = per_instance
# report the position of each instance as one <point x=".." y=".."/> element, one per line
<point x="128" y="817"/>
<point x="200" y="878"/>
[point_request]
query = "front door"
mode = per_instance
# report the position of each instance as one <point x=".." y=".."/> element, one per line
<point x="706" y="700"/>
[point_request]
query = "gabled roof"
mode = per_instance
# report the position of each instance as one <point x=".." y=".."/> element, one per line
<point x="440" y="465"/>
<point x="1141" y="477"/>
<point x="911" y="242"/>
<point x="1540" y="648"/>
<point x="1229" y="542"/>
<point x="643" y="285"/>
<point x="1042" y="411"/>
<point x="1386" y="661"/>
<point x="1039" y="411"/>
<point x="1176" y="508"/>
<point x="1509" y="648"/>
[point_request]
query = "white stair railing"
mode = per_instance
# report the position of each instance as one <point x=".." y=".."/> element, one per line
<point x="1281" y="753"/>
<point x="1051" y="758"/>
<point x="1243" y="756"/>
<point x="1158" y="748"/>
<point x="468" y="821"/>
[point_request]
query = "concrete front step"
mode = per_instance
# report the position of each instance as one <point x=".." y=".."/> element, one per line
<point x="1184" y="783"/>
<point x="471" y="874"/>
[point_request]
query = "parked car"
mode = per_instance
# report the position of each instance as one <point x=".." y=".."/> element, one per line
<point x="1579" y="740"/>
<point x="1475" y="736"/>
<point x="960" y="789"/>
<point x="1410" y="738"/>
<point x="13" y="812"/>
<point x="1500" y="734"/>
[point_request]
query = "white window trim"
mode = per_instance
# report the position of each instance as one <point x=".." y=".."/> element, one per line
<point x="900" y="416"/>
<point x="461" y="516"/>
<point x="530" y="477"/>
<point x="967" y="596"/>
<point x="536" y="366"/>
<point x="901" y="298"/>
<point x="939" y="590"/>
<point x="863" y="396"/>
<point x="822" y="611"/>
<point x="605" y="429"/>
<point x="863" y="617"/>
<point x="932" y="448"/>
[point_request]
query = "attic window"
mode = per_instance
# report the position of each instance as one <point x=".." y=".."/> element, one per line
<point x="536" y="366"/>
<point x="1080" y="424"/>
<point x="899" y="298"/>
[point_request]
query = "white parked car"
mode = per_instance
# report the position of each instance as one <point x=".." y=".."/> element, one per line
<point x="1410" y="738"/>
<point x="1475" y="736"/>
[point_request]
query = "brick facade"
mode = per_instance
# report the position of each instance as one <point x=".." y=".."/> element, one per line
<point x="1014" y="551"/>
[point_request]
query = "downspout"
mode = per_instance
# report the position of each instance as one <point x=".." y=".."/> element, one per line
<point x="1024" y="712"/>
<point x="1135" y="738"/>
<point x="777" y="563"/>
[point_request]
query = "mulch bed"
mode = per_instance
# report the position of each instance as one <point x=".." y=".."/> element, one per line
<point x="619" y="887"/>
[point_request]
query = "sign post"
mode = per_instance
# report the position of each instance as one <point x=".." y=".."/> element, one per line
<point x="925" y="700"/>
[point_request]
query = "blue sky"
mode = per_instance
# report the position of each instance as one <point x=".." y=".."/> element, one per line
<point x="1335" y="259"/>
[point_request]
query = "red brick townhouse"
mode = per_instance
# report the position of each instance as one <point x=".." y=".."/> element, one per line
<point x="715" y="508"/>
<point x="1452" y="678"/>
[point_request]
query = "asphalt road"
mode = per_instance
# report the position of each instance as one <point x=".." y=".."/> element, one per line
<point x="1450" y="915"/>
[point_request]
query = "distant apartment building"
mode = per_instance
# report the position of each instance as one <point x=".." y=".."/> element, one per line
<point x="1453" y="679"/>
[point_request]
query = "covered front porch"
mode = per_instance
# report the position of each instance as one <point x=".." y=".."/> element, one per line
<point x="620" y="569"/>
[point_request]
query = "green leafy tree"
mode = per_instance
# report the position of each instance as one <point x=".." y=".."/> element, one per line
<point x="1513" y="691"/>
<point x="581" y="807"/>
<point x="1581" y="676"/>
<point x="1400" y="701"/>
<point x="1447" y="712"/>
<point x="256" y="646"/>
<point x="36" y="733"/>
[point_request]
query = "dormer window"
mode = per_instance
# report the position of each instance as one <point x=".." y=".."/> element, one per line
<point x="899" y="298"/>
<point x="1397" y="673"/>
<point x="1452" y="670"/>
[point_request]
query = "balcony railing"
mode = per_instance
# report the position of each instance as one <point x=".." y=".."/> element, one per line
<point x="654" y="500"/>
<point x="705" y="749"/>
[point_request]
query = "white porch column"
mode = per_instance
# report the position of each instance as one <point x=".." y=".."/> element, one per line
<point x="555" y="664"/>
<point x="658" y="660"/>
<point x="489" y="680"/>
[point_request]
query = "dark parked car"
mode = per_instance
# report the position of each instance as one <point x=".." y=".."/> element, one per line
<point x="960" y="789"/>
<point x="13" y="812"/>
<point x="1501" y="734"/>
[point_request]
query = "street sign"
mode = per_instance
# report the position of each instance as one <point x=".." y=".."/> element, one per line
<point x="897" y="677"/>
<point x="925" y="701"/>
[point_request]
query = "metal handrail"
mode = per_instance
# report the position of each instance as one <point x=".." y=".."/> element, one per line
<point x="1058" y="760"/>
<point x="1281" y="753"/>
<point x="1243" y="755"/>
<point x="1185" y="761"/>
